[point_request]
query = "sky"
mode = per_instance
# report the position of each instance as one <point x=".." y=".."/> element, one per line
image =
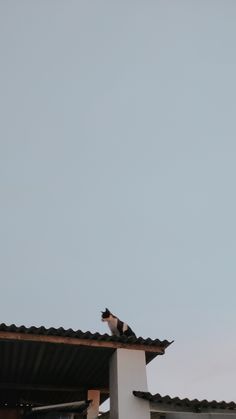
<point x="117" y="177"/>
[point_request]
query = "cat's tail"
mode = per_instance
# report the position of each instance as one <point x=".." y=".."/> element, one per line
<point x="129" y="332"/>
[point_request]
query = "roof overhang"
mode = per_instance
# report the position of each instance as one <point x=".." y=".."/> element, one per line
<point x="57" y="366"/>
<point x="61" y="340"/>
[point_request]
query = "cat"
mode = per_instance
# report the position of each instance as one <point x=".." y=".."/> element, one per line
<point x="116" y="326"/>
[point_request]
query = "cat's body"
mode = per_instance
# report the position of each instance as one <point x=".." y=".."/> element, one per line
<point x="116" y="326"/>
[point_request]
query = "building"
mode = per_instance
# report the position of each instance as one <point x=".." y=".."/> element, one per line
<point x="58" y="373"/>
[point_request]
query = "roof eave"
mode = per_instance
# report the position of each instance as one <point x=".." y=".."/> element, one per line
<point x="17" y="336"/>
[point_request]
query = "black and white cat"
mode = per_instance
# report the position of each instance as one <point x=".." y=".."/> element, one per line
<point x="116" y="326"/>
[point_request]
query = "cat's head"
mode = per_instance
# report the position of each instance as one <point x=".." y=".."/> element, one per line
<point x="106" y="315"/>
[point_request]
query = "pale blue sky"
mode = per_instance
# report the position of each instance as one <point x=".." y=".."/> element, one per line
<point x="117" y="176"/>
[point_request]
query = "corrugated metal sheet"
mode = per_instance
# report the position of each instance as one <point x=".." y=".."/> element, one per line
<point x="82" y="335"/>
<point x="38" y="372"/>
<point x="195" y="405"/>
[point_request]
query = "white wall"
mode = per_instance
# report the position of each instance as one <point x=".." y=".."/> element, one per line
<point x="128" y="373"/>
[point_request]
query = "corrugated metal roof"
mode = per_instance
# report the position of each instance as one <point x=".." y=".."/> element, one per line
<point x="43" y="331"/>
<point x="192" y="405"/>
<point x="48" y="366"/>
<point x="45" y="373"/>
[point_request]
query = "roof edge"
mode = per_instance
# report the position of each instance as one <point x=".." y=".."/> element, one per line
<point x="167" y="403"/>
<point x="80" y="338"/>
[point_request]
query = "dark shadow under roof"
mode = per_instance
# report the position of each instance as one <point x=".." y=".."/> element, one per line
<point x="41" y="366"/>
<point x="175" y="404"/>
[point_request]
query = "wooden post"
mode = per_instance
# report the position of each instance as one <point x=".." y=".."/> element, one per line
<point x="93" y="410"/>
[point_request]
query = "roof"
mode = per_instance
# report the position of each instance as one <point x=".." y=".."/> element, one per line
<point x="167" y="404"/>
<point x="41" y="365"/>
<point x="89" y="336"/>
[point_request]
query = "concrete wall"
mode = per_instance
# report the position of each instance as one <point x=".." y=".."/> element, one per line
<point x="128" y="373"/>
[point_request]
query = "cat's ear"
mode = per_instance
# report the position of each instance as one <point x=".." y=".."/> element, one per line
<point x="107" y="310"/>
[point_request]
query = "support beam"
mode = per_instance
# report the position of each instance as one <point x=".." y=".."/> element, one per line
<point x="93" y="410"/>
<point x="59" y="406"/>
<point x="45" y="388"/>
<point x="27" y="337"/>
<point x="127" y="373"/>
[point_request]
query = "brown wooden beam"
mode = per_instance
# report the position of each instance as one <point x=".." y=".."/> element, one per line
<point x="80" y="342"/>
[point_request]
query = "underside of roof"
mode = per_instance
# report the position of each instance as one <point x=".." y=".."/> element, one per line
<point x="40" y="366"/>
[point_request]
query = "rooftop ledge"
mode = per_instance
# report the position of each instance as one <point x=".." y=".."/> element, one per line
<point x="80" y="338"/>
